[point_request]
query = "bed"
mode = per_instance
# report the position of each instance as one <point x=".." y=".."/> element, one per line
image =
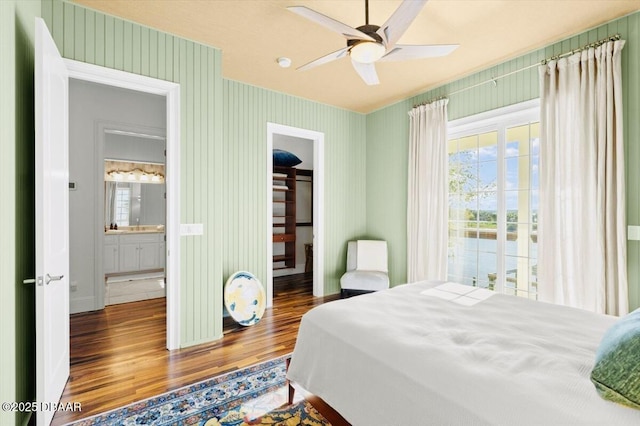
<point x="430" y="353"/>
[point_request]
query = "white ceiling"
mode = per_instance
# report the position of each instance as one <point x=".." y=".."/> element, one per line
<point x="253" y="33"/>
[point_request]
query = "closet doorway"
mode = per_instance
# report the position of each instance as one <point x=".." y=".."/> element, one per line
<point x="295" y="212"/>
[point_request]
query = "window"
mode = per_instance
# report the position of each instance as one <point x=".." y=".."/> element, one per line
<point x="122" y="205"/>
<point x="493" y="200"/>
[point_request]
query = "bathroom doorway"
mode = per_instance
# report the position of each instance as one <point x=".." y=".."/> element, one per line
<point x="147" y="110"/>
<point x="117" y="199"/>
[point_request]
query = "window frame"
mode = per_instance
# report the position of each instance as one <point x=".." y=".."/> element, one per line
<point x="118" y="207"/>
<point x="498" y="120"/>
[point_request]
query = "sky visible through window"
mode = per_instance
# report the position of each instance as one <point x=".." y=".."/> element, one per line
<point x="493" y="207"/>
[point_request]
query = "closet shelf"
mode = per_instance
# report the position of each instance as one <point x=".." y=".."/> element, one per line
<point x="282" y="258"/>
<point x="286" y="200"/>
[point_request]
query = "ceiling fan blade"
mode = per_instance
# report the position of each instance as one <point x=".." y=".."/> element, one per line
<point x="402" y="52"/>
<point x="325" y="59"/>
<point x="397" y="24"/>
<point x="367" y="72"/>
<point x="337" y="26"/>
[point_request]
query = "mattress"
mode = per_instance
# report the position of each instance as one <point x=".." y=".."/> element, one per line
<point x="404" y="356"/>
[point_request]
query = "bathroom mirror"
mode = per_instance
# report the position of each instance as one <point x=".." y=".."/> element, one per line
<point x="134" y="203"/>
<point x="133" y="193"/>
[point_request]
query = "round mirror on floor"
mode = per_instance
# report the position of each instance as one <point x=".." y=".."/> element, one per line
<point x="244" y="298"/>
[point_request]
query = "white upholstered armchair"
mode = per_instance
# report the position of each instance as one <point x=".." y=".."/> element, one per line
<point x="367" y="268"/>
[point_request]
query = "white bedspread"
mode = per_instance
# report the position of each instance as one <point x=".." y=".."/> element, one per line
<point x="399" y="357"/>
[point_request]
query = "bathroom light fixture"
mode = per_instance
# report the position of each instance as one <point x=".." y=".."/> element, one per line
<point x="284" y="62"/>
<point x="117" y="170"/>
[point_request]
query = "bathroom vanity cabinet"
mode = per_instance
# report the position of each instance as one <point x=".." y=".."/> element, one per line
<point x="111" y="254"/>
<point x="134" y="252"/>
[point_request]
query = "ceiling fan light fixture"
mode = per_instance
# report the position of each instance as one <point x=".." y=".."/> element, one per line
<point x="367" y="52"/>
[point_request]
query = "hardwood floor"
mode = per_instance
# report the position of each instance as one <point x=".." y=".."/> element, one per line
<point x="118" y="355"/>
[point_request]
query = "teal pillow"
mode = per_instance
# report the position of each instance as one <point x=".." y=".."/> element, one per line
<point x="284" y="158"/>
<point x="616" y="373"/>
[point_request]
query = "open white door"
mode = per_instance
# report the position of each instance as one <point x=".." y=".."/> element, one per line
<point x="52" y="223"/>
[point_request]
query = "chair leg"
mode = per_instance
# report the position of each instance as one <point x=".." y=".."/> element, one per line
<point x="291" y="389"/>
<point x="292" y="392"/>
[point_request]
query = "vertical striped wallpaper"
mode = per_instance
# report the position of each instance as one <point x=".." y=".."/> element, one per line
<point x="17" y="310"/>
<point x="247" y="110"/>
<point x="387" y="162"/>
<point x="8" y="273"/>
<point x="388" y="136"/>
<point x="93" y="37"/>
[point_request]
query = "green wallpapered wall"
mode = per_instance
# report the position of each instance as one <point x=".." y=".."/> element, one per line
<point x="17" y="214"/>
<point x="388" y="136"/>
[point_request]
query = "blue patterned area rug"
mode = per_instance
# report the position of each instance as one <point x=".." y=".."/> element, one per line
<point x="255" y="395"/>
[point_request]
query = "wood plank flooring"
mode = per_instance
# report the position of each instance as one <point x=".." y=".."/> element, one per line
<point x="118" y="355"/>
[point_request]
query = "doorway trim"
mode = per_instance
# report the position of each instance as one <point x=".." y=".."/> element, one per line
<point x="318" y="203"/>
<point x="171" y="91"/>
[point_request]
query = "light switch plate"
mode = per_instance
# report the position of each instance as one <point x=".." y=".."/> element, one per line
<point x="191" y="229"/>
<point x="633" y="232"/>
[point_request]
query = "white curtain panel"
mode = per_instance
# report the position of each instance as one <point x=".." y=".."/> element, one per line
<point x="581" y="230"/>
<point x="110" y="201"/>
<point x="428" y="185"/>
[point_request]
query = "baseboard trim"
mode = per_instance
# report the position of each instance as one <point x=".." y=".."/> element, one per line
<point x="82" y="304"/>
<point x="124" y="276"/>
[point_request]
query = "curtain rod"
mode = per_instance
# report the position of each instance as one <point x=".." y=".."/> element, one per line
<point x="595" y="44"/>
<point x="494" y="80"/>
<point x="439" y="98"/>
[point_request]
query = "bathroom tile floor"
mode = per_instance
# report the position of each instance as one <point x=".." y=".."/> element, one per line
<point x="134" y="290"/>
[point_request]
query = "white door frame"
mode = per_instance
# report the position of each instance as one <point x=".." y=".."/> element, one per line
<point x="171" y="91"/>
<point x="318" y="204"/>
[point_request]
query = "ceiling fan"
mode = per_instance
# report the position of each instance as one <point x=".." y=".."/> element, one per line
<point x="368" y="44"/>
